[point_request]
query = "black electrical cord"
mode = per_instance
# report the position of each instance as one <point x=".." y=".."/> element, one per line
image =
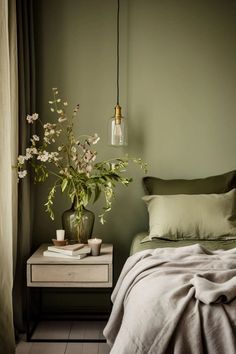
<point x="117" y="51"/>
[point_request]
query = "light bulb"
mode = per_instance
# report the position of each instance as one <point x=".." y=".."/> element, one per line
<point x="117" y="134"/>
<point x="117" y="129"/>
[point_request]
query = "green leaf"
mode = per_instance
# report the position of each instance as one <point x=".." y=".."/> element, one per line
<point x="64" y="184"/>
<point x="89" y="193"/>
<point x="97" y="193"/>
<point x="85" y="200"/>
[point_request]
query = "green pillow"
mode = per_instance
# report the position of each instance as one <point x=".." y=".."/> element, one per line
<point x="197" y="216"/>
<point x="215" y="184"/>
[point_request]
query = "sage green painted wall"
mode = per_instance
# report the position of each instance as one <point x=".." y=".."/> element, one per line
<point x="178" y="85"/>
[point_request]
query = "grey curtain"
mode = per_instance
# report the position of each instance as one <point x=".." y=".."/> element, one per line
<point x="26" y="79"/>
<point x="8" y="175"/>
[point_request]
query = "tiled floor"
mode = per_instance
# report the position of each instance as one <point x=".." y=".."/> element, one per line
<point x="65" y="330"/>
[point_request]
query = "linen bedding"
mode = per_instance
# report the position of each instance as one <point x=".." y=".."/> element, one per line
<point x="175" y="300"/>
<point x="142" y="242"/>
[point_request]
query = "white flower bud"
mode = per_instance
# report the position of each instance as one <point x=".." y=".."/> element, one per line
<point x="21" y="159"/>
<point x="22" y="174"/>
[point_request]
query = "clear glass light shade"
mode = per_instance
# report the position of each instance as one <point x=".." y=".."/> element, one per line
<point x="117" y="132"/>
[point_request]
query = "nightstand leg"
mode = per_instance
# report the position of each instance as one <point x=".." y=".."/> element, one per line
<point x="28" y="305"/>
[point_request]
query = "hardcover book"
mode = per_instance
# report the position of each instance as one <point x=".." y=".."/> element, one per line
<point x="70" y="252"/>
<point x="74" y="247"/>
<point x="61" y="255"/>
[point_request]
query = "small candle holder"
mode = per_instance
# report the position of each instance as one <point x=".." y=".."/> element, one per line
<point x="60" y="235"/>
<point x="95" y="244"/>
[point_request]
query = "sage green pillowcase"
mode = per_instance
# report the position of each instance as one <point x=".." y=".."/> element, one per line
<point x="200" y="216"/>
<point x="214" y="184"/>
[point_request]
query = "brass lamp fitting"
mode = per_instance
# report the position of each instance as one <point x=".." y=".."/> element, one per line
<point x="118" y="114"/>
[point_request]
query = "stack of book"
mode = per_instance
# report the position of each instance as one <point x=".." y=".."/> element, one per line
<point x="76" y="251"/>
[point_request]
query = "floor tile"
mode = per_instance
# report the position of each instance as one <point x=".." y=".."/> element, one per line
<point x="64" y="330"/>
<point x="101" y="326"/>
<point x="90" y="348"/>
<point x="23" y="347"/>
<point x="103" y="348"/>
<point x="52" y="330"/>
<point x="74" y="348"/>
<point x="85" y="329"/>
<point x="48" y="348"/>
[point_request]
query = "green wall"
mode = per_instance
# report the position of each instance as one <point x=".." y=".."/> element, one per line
<point x="178" y="84"/>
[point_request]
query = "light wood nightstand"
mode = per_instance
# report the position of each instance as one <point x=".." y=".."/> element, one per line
<point x="52" y="272"/>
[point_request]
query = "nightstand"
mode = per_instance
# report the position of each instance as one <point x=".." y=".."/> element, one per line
<point x="51" y="272"/>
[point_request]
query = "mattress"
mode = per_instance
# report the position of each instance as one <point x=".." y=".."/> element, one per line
<point x="137" y="245"/>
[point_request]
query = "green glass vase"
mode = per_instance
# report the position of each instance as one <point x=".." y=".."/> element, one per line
<point x="75" y="232"/>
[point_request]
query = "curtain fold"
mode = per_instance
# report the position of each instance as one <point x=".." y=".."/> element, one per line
<point x="26" y="77"/>
<point x="8" y="175"/>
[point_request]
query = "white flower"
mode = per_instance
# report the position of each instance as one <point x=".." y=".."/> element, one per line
<point x="22" y="174"/>
<point x="21" y="159"/>
<point x="65" y="103"/>
<point x="34" y="151"/>
<point x="28" y="155"/>
<point x="88" y="155"/>
<point x="94" y="157"/>
<point x="35" y="137"/>
<point x="96" y="139"/>
<point x="29" y="152"/>
<point x="62" y="119"/>
<point x="58" y="132"/>
<point x="29" y="119"/>
<point x="88" y="168"/>
<point x="60" y="148"/>
<point x="53" y="156"/>
<point x="93" y="139"/>
<point x="49" y="126"/>
<point x="47" y="141"/>
<point x="73" y="149"/>
<point x="52" y="131"/>
<point x="35" y="116"/>
<point x="44" y="156"/>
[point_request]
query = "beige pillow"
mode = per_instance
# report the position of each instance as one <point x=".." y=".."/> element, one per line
<point x="197" y="216"/>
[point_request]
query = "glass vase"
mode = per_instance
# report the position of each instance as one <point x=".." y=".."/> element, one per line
<point x="75" y="232"/>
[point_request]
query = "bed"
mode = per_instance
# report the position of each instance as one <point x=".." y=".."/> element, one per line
<point x="137" y="245"/>
<point x="177" y="294"/>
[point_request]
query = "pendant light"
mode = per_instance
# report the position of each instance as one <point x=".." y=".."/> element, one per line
<point x="117" y="126"/>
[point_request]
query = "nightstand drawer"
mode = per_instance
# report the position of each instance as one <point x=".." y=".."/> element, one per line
<point x="69" y="273"/>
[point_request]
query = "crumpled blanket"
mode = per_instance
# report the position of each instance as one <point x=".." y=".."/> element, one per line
<point x="175" y="300"/>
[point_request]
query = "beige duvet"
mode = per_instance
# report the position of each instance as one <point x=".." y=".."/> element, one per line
<point x="175" y="300"/>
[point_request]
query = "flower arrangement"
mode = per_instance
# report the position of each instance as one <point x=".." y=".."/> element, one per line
<point x="72" y="162"/>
